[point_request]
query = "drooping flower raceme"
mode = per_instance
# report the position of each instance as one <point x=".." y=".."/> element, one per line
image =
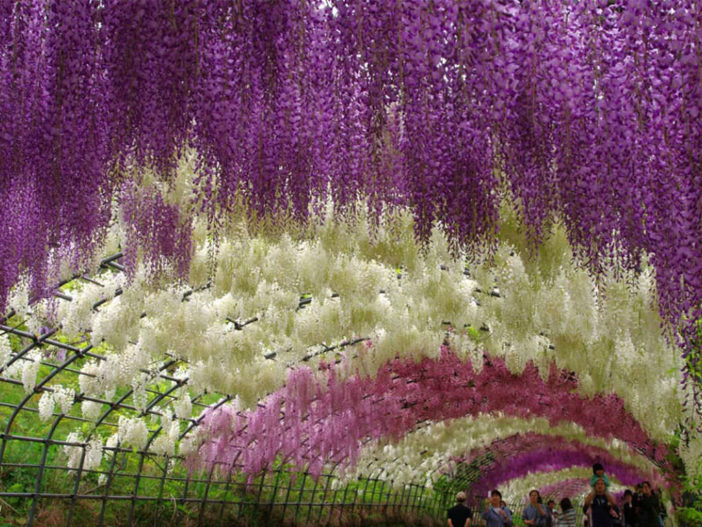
<point x="435" y="448"/>
<point x="585" y="113"/>
<point x="327" y="420"/>
<point x="275" y="303"/>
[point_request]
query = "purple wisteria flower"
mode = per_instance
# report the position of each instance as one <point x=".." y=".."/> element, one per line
<point x="587" y="112"/>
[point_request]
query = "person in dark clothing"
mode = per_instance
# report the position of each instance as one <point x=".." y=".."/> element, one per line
<point x="628" y="509"/>
<point x="649" y="507"/>
<point x="617" y="517"/>
<point x="637" y="498"/>
<point x="599" y="506"/>
<point x="459" y="515"/>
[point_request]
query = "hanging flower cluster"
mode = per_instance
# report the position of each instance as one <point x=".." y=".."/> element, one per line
<point x="325" y="421"/>
<point x="585" y="111"/>
<point x="86" y="455"/>
<point x="61" y="396"/>
<point x="516" y="456"/>
<point x="24" y="370"/>
<point x="435" y="448"/>
<point x="565" y="489"/>
<point x="273" y="303"/>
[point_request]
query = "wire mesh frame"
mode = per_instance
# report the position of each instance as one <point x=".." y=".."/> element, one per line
<point x="74" y="354"/>
<point x="315" y="505"/>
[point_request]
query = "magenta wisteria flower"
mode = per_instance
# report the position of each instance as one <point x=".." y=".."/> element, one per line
<point x="515" y="456"/>
<point x="565" y="488"/>
<point x="316" y="421"/>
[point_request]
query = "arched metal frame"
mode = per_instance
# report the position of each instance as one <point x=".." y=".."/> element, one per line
<point x="141" y="477"/>
<point x="128" y="480"/>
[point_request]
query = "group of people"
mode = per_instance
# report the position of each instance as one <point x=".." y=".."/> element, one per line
<point x="497" y="514"/>
<point x="641" y="508"/>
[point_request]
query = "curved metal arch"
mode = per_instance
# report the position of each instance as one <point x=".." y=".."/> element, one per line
<point x="378" y="398"/>
<point x="114" y="407"/>
<point x="37" y="388"/>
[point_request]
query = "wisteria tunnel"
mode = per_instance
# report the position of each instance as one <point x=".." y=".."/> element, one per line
<point x="278" y="262"/>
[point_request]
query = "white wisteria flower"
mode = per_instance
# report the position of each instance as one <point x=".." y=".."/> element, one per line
<point x="90" y="409"/>
<point x="183" y="407"/>
<point x="64" y="398"/>
<point x="5" y="350"/>
<point x="30" y="369"/>
<point x="139" y="395"/>
<point x="46" y="405"/>
<point x="18" y="299"/>
<point x="76" y="315"/>
<point x="74" y="453"/>
<point x="133" y="432"/>
<point x="112" y="441"/>
<point x="163" y="445"/>
<point x="89" y="380"/>
<point x="190" y="442"/>
<point x="93" y="454"/>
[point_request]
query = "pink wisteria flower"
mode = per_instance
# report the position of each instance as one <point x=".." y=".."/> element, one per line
<point x="327" y="421"/>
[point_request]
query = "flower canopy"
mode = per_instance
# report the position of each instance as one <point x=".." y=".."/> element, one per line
<point x="369" y="224"/>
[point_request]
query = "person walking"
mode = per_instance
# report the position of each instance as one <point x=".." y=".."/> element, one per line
<point x="628" y="509"/>
<point x="552" y="513"/>
<point x="459" y="515"/>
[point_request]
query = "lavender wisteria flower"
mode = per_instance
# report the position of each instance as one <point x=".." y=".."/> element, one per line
<point x="585" y="112"/>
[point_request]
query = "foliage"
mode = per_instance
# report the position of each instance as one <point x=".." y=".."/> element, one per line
<point x="689" y="516"/>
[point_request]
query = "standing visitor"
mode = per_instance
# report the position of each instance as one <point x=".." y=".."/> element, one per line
<point x="567" y="516"/>
<point x="535" y="514"/>
<point x="628" y="509"/>
<point x="637" y="500"/>
<point x="459" y="515"/>
<point x="599" y="506"/>
<point x="649" y="507"/>
<point x="495" y="515"/>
